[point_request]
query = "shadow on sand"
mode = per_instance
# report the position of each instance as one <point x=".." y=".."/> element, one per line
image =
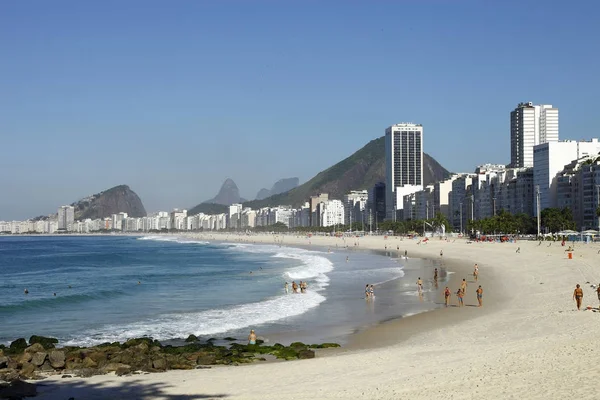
<point x="137" y="389"/>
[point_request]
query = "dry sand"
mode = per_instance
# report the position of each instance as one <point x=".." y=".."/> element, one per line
<point x="527" y="342"/>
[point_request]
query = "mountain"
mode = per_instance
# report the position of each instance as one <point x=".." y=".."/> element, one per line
<point x="282" y="185"/>
<point x="228" y="194"/>
<point x="112" y="201"/>
<point x="361" y="170"/>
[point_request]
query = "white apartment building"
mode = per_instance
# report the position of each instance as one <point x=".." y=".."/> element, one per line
<point x="331" y="213"/>
<point x="550" y="159"/>
<point x="460" y="201"/>
<point x="403" y="164"/>
<point x="578" y="188"/>
<point x="441" y="197"/>
<point x="66" y="217"/>
<point x="355" y="203"/>
<point x="531" y="125"/>
<point x="178" y="219"/>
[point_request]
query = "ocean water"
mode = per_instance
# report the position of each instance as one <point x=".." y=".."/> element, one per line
<point x="90" y="290"/>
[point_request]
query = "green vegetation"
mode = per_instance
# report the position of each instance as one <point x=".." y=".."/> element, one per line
<point x="553" y="220"/>
<point x="362" y="170"/>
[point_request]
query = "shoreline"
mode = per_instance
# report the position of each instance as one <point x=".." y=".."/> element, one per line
<point x="526" y="341"/>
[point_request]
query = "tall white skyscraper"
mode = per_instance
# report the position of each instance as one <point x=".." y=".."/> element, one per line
<point x="66" y="218"/>
<point x="531" y="125"/>
<point x="403" y="164"/>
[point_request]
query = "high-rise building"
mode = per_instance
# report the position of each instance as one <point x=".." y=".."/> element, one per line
<point x="550" y="158"/>
<point x="355" y="204"/>
<point x="377" y="203"/>
<point x="403" y="164"/>
<point x="66" y="218"/>
<point x="531" y="125"/>
<point x="314" y="201"/>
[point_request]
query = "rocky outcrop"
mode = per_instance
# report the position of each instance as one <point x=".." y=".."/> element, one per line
<point x="112" y="201"/>
<point x="142" y="354"/>
<point x="228" y="194"/>
<point x="281" y="186"/>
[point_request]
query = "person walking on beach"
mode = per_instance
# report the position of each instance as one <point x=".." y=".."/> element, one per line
<point x="598" y="291"/>
<point x="460" y="294"/>
<point x="435" y="275"/>
<point x="367" y="292"/>
<point x="479" y="296"/>
<point x="441" y="253"/>
<point x="252" y="337"/>
<point x="419" y="285"/>
<point x="405" y="253"/>
<point x="476" y="272"/>
<point x="578" y="296"/>
<point x="447" y="296"/>
<point x="463" y="286"/>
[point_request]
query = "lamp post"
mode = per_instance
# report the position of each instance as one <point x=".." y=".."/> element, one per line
<point x="461" y="218"/>
<point x="598" y="203"/>
<point x="472" y="210"/>
<point x="537" y="202"/>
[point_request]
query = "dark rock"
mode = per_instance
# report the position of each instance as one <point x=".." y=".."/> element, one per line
<point x="324" y="345"/>
<point x="191" y="338"/>
<point x="298" y="346"/>
<point x="34" y="348"/>
<point x="123" y="370"/>
<point x="230" y="339"/>
<point x="135" y="342"/>
<point x="159" y="364"/>
<point x="27" y="371"/>
<point x="9" y="375"/>
<point x="18" y="346"/>
<point x="18" y="389"/>
<point x="66" y="376"/>
<point x="47" y="342"/>
<point x="57" y="359"/>
<point x="206" y="359"/>
<point x="113" y="367"/>
<point x="89" y="363"/>
<point x="304" y="354"/>
<point x="86" y="372"/>
<point x="38" y="358"/>
<point x="259" y="342"/>
<point x="3" y="362"/>
<point x="46" y="367"/>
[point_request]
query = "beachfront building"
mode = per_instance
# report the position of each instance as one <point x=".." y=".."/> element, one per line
<point x="578" y="188"/>
<point x="458" y="201"/>
<point x="376" y="203"/>
<point x="355" y="206"/>
<point x="550" y="158"/>
<point x="531" y="125"/>
<point x="403" y="165"/>
<point x="441" y="197"/>
<point x="331" y="213"/>
<point x="248" y="218"/>
<point x="314" y="202"/>
<point x="66" y="217"/>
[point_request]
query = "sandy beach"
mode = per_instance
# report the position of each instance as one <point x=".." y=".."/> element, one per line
<point x="527" y="341"/>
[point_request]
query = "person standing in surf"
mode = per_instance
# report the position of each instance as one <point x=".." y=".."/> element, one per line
<point x="286" y="287"/>
<point x="447" y="296"/>
<point x="252" y="337"/>
<point x="367" y="292"/>
<point x="419" y="285"/>
<point x="294" y="287"/>
<point x="372" y="291"/>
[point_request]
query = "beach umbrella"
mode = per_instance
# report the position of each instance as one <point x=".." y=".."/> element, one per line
<point x="590" y="232"/>
<point x="568" y="232"/>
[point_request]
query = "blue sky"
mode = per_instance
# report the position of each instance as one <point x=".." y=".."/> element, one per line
<point x="174" y="97"/>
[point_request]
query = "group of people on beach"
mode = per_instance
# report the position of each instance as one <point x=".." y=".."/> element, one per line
<point x="461" y="292"/>
<point x="295" y="286"/>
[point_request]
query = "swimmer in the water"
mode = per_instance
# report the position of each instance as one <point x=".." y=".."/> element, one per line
<point x="26" y="291"/>
<point x="54" y="294"/>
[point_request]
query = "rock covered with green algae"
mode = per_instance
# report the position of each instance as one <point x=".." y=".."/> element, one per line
<point x="24" y="360"/>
